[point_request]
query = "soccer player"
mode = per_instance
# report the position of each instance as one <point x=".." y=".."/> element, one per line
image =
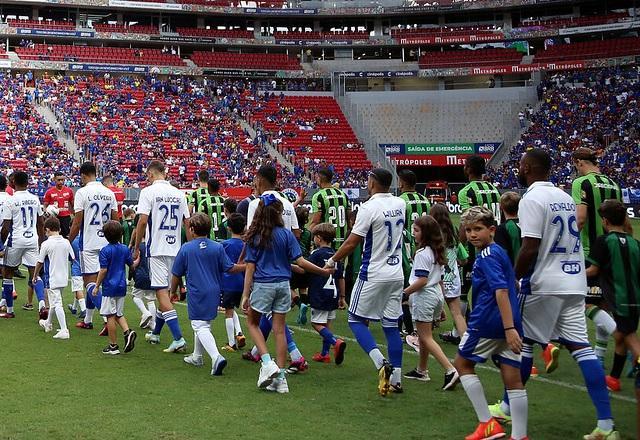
<point x="57" y="250"/>
<point x="232" y="284"/>
<point x="61" y="197"/>
<point x="22" y="231"/>
<point x="113" y="259"/>
<point x="163" y="210"/>
<point x="213" y="205"/>
<point x="588" y="192"/>
<point x="94" y="206"/>
<point x="615" y="257"/>
<point x="495" y="328"/>
<point x="416" y="205"/>
<point x="265" y="183"/>
<point x="378" y="294"/>
<point x="203" y="262"/>
<point x="202" y="192"/>
<point x="552" y="272"/>
<point x="326" y="295"/>
<point x="3" y="198"/>
<point x="77" y="283"/>
<point x="330" y="205"/>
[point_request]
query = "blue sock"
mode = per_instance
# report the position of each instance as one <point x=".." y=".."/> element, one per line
<point x="287" y="334"/>
<point x="90" y="304"/>
<point x="594" y="380"/>
<point x="327" y="340"/>
<point x="159" y="323"/>
<point x="171" y="318"/>
<point x="363" y="335"/>
<point x="38" y="288"/>
<point x="394" y="343"/>
<point x="97" y="299"/>
<point x="265" y="326"/>
<point x="7" y="292"/>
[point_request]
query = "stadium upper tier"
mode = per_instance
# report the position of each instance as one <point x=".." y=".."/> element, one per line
<point x="92" y="54"/>
<point x="267" y="61"/>
<point x="470" y="58"/>
<point x="590" y="50"/>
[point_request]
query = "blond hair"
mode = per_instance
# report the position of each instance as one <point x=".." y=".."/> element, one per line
<point x="478" y="214"/>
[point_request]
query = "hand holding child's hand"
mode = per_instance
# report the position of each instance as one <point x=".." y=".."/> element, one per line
<point x="342" y="304"/>
<point x="135" y="253"/>
<point x="513" y="340"/>
<point x="245" y="304"/>
<point x="34" y="280"/>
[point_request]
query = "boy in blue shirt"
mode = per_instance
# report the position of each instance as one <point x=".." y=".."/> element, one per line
<point x="494" y="328"/>
<point x="113" y="280"/>
<point x="232" y="284"/>
<point x="326" y="294"/>
<point x="142" y="291"/>
<point x="77" y="282"/>
<point x="203" y="262"/>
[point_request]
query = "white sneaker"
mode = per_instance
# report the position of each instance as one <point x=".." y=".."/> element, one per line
<point x="194" y="360"/>
<point x="62" y="334"/>
<point x="46" y="327"/>
<point x="151" y="338"/>
<point x="279" y="386"/>
<point x="145" y="320"/>
<point x="268" y="372"/>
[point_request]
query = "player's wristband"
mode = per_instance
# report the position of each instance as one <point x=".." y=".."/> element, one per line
<point x="509" y="328"/>
<point x="331" y="262"/>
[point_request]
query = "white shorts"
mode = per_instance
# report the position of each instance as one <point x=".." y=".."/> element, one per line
<point x="426" y="306"/>
<point x="160" y="271"/>
<point x="322" y="316"/>
<point x="477" y="349"/>
<point x="77" y="283"/>
<point x="547" y="318"/>
<point x="112" y="305"/>
<point x="452" y="290"/>
<point x="90" y="262"/>
<point x="375" y="301"/>
<point x="147" y="295"/>
<point x="14" y="257"/>
<point x="55" y="298"/>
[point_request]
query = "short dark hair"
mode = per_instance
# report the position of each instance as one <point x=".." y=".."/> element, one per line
<point x="408" y="176"/>
<point x="88" y="169"/>
<point x="214" y="185"/>
<point x="476" y="165"/>
<point x="112" y="231"/>
<point x="203" y="176"/>
<point x="236" y="222"/>
<point x="326" y="174"/>
<point x="52" y="224"/>
<point x="231" y="205"/>
<point x="509" y="202"/>
<point x="20" y="178"/>
<point x="201" y="224"/>
<point x="107" y="177"/>
<point x="382" y="176"/>
<point x="539" y="158"/>
<point x="325" y="231"/>
<point x="3" y="182"/>
<point x="302" y="215"/>
<point x="268" y="173"/>
<point x="58" y="174"/>
<point x="614" y="211"/>
<point x="156" y="166"/>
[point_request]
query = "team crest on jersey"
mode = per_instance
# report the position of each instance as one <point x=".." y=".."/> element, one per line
<point x="27" y="234"/>
<point x="291" y="194"/>
<point x="571" y="267"/>
<point x="100" y="233"/>
<point x="171" y="239"/>
<point x="623" y="241"/>
<point x="393" y="260"/>
<point x="203" y="245"/>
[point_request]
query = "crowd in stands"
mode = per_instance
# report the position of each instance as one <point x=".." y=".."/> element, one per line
<point x="592" y="108"/>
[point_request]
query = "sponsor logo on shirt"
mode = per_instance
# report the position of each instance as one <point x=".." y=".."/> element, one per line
<point x="171" y="239"/>
<point x="571" y="267"/>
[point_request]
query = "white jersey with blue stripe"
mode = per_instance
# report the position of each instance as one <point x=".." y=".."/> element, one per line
<point x="23" y="209"/>
<point x="380" y="222"/>
<point x="166" y="208"/>
<point x="98" y="205"/>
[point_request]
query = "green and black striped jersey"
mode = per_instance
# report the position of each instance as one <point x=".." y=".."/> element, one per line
<point x="333" y="205"/>
<point x="196" y="196"/>
<point x="591" y="190"/>
<point x="417" y="205"/>
<point x="213" y="206"/>
<point x="617" y="255"/>
<point x="480" y="193"/>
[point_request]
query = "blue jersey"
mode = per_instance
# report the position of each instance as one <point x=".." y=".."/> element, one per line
<point x="273" y="263"/>
<point x="114" y="258"/>
<point x="203" y="261"/>
<point x="323" y="291"/>
<point x="492" y="270"/>
<point x="76" y="271"/>
<point x="232" y="283"/>
<point x="141" y="279"/>
<point x="45" y="273"/>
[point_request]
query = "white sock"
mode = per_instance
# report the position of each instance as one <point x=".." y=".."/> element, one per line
<point x="197" y="346"/>
<point x="140" y="305"/>
<point x="605" y="424"/>
<point x="9" y="309"/>
<point x="295" y="355"/>
<point x="605" y="326"/>
<point x="82" y="303"/>
<point x="88" y="318"/>
<point x="236" y="323"/>
<point x="151" y="306"/>
<point x="254" y="352"/>
<point x="50" y="317"/>
<point x="62" y="320"/>
<point x="75" y="304"/>
<point x="3" y="302"/>
<point x="377" y="357"/>
<point x="475" y="393"/>
<point x="209" y="343"/>
<point x="519" y="412"/>
<point x="454" y="332"/>
<point x="228" y="323"/>
<point x="41" y="304"/>
<point x="602" y="340"/>
<point x="396" y="376"/>
<point x="504" y="406"/>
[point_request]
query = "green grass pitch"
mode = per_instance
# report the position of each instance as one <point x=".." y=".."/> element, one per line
<point x="70" y="390"/>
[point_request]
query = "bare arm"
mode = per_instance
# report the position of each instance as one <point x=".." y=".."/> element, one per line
<point x="101" y="275"/>
<point x="593" y="271"/>
<point x="416" y="285"/>
<point x="175" y="283"/>
<point x="6" y="227"/>
<point x="237" y="268"/>
<point x="511" y="334"/>
<point x="347" y="247"/>
<point x="140" y="231"/>
<point x="581" y="216"/>
<point x="75" y="226"/>
<point x="186" y="222"/>
<point x="248" y="283"/>
<point x="341" y="292"/>
<point x="40" y="229"/>
<point x="316" y="219"/>
<point x="36" y="271"/>
<point x="312" y="268"/>
<point x="114" y="214"/>
<point x="527" y="256"/>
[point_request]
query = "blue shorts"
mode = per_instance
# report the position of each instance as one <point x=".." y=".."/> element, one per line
<point x="477" y="349"/>
<point x="271" y="297"/>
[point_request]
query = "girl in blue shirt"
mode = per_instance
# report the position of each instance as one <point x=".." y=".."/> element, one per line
<point x="270" y="250"/>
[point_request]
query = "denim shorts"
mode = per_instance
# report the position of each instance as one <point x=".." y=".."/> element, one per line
<point x="271" y="297"/>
